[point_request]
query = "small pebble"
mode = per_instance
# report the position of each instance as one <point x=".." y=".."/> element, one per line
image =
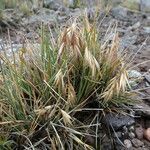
<point x="147" y="134"/>
<point x="147" y="77"/>
<point x="127" y="143"/>
<point x="139" y="132"/>
<point x="131" y="135"/>
<point x="134" y="74"/>
<point x="137" y="143"/>
<point x="131" y="128"/>
<point x="125" y="129"/>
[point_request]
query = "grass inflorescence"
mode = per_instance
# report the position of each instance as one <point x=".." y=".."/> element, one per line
<point x="45" y="88"/>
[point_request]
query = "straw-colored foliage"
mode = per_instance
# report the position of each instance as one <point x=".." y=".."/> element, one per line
<point x="42" y="88"/>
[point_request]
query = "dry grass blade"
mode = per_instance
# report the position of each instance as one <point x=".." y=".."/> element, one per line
<point x="66" y="118"/>
<point x="71" y="43"/>
<point x="71" y="95"/>
<point x="12" y="122"/>
<point x="91" y="62"/>
<point x="75" y="138"/>
<point x="41" y="112"/>
<point x="59" y="81"/>
<point x="57" y="135"/>
<point x="116" y="85"/>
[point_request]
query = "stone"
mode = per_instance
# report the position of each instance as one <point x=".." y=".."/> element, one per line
<point x="118" y="121"/>
<point x="147" y="143"/>
<point x="125" y="130"/>
<point x="137" y="143"/>
<point x="131" y="129"/>
<point x="132" y="4"/>
<point x="89" y="140"/>
<point x="145" y="5"/>
<point x="147" y="134"/>
<point x="120" y="12"/>
<point x="139" y="132"/>
<point x="147" y="84"/>
<point x="131" y="135"/>
<point x="134" y="78"/>
<point x="127" y="143"/>
<point x="107" y="146"/>
<point x="133" y="83"/>
<point x="128" y="41"/>
<point x="134" y="74"/>
<point x="44" y="15"/>
<point x="146" y="30"/>
<point x="142" y="109"/>
<point x="135" y="26"/>
<point x="106" y="143"/>
<point x="52" y="4"/>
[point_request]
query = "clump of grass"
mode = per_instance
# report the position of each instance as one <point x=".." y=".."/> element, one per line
<point x="44" y="89"/>
<point x="25" y="8"/>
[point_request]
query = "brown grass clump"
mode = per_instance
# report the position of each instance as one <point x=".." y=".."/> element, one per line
<point x="44" y="89"/>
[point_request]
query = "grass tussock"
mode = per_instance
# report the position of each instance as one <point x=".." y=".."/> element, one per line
<point x="45" y="88"/>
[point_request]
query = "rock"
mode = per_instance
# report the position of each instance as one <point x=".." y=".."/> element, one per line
<point x="132" y="4"/>
<point x="145" y="5"/>
<point x="125" y="130"/>
<point x="147" y="134"/>
<point x="120" y="12"/>
<point x="135" y="26"/>
<point x="118" y="121"/>
<point x="131" y="135"/>
<point x="139" y="132"/>
<point x="106" y="143"/>
<point x="134" y="78"/>
<point x="89" y="140"/>
<point x="142" y="109"/>
<point x="107" y="146"/>
<point x="137" y="143"/>
<point x="147" y="143"/>
<point x="131" y="129"/>
<point x="44" y="15"/>
<point x="147" y="84"/>
<point x="52" y="4"/>
<point x="146" y="30"/>
<point x="133" y="83"/>
<point x="134" y="74"/>
<point x="128" y="41"/>
<point x="127" y="143"/>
